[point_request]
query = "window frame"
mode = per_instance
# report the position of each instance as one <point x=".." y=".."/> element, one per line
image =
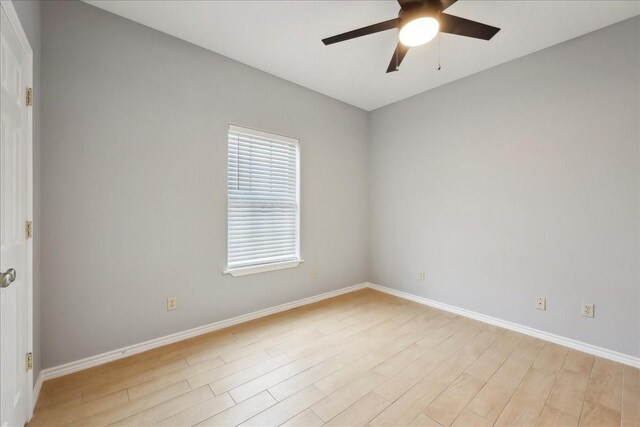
<point x="271" y="266"/>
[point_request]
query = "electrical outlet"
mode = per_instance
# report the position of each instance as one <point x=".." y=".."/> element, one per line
<point x="541" y="303"/>
<point x="172" y="303"/>
<point x="314" y="274"/>
<point x="588" y="310"/>
<point x="421" y="275"/>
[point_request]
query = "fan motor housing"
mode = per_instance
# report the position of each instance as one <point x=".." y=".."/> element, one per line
<point x="419" y="9"/>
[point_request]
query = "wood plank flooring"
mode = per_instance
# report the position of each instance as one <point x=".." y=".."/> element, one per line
<point x="364" y="358"/>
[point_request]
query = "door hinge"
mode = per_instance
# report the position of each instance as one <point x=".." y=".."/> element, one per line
<point x="29" y="361"/>
<point x="29" y="98"/>
<point x="28" y="229"/>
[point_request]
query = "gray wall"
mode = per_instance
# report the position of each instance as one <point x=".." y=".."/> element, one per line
<point x="517" y="182"/>
<point x="29" y="13"/>
<point x="134" y="184"/>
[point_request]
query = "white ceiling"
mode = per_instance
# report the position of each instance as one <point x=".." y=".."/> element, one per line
<point x="283" y="39"/>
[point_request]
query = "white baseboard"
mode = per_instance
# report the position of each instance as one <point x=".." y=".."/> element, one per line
<point x="89" y="362"/>
<point x="557" y="339"/>
<point x="36" y="391"/>
<point x="110" y="356"/>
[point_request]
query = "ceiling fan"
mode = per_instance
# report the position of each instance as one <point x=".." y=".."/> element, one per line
<point x="419" y="22"/>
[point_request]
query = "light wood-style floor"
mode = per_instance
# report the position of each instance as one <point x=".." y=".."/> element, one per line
<point x="361" y="358"/>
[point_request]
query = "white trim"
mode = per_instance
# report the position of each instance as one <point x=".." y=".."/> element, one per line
<point x="36" y="391"/>
<point x="78" y="365"/>
<point x="298" y="202"/>
<point x="14" y="20"/>
<point x="557" y="339"/>
<point x="263" y="134"/>
<point x="244" y="271"/>
<point x="68" y="368"/>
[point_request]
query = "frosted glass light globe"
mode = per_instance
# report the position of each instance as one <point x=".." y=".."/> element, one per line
<point x="419" y="31"/>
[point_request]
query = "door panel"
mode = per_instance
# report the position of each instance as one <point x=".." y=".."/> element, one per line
<point x="13" y="213"/>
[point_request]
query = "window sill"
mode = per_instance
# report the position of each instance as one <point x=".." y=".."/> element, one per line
<point x="244" y="271"/>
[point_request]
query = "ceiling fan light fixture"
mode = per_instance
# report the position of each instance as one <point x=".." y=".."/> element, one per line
<point x="419" y="31"/>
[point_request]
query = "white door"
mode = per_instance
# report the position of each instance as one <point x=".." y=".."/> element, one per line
<point x="14" y="207"/>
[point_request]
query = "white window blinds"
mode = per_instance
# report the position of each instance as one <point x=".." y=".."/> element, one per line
<point x="263" y="198"/>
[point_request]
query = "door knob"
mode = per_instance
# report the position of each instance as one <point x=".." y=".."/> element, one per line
<point x="7" y="277"/>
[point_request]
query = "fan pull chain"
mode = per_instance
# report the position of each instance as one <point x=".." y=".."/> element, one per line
<point x="439" y="64"/>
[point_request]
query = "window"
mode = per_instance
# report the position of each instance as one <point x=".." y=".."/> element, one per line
<point x="263" y="199"/>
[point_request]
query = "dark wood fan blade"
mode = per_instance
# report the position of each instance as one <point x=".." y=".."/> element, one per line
<point x="398" y="56"/>
<point x="446" y="3"/>
<point x="465" y="27"/>
<point x="403" y="3"/>
<point x="443" y="3"/>
<point x="375" y="28"/>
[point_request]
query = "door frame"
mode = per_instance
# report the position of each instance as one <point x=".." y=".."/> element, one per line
<point x="12" y="15"/>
